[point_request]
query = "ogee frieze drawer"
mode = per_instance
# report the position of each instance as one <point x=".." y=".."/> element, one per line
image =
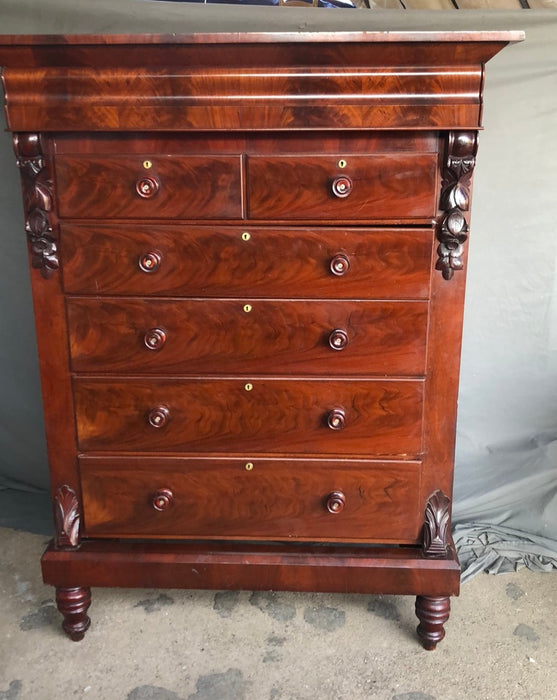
<point x="341" y="417"/>
<point x="204" y="336"/>
<point x="332" y="188"/>
<point x="251" y="498"/>
<point x="144" y="187"/>
<point x="232" y="261"/>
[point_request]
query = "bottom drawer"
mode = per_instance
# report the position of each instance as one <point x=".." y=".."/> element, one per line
<point x="175" y="497"/>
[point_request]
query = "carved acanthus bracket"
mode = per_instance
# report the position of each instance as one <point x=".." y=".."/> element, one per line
<point x="437" y="527"/>
<point x="67" y="517"/>
<point x="452" y="230"/>
<point x="37" y="202"/>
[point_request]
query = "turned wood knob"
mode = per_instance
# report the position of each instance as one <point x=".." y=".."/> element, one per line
<point x="147" y="187"/>
<point x="154" y="339"/>
<point x="335" y="502"/>
<point x="150" y="262"/>
<point x="338" y="339"/>
<point x="158" y="417"/>
<point x="339" y="265"/>
<point x="342" y="186"/>
<point x="162" y="499"/>
<point x="336" y="419"/>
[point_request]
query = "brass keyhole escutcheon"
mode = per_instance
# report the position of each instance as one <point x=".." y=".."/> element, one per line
<point x="249" y="466"/>
<point x="247" y="308"/>
<point x="147" y="164"/>
<point x="246" y="236"/>
<point x="248" y="386"/>
<point x="342" y="163"/>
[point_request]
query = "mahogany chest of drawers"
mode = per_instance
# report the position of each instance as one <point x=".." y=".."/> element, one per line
<point x="248" y="260"/>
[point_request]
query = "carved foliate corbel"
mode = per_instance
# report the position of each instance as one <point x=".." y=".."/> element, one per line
<point x="37" y="202"/>
<point x="67" y="517"/>
<point x="437" y="527"/>
<point x="453" y="227"/>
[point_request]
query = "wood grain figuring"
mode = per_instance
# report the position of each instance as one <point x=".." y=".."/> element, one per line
<point x="291" y="142"/>
<point x="193" y="187"/>
<point x="230" y="336"/>
<point x="382" y="417"/>
<point x="440" y="416"/>
<point x="297" y="187"/>
<point x="269" y="117"/>
<point x="289" y="566"/>
<point x="241" y="98"/>
<point x="295" y="86"/>
<point x="272" y="499"/>
<point x="247" y="338"/>
<point x="224" y="262"/>
<point x="38" y="100"/>
<point x="52" y="344"/>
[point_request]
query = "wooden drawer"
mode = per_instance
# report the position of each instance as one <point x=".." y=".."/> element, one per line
<point x="370" y="187"/>
<point x="270" y="499"/>
<point x="341" y="417"/>
<point x="189" y="187"/>
<point x="204" y="336"/>
<point x="224" y="261"/>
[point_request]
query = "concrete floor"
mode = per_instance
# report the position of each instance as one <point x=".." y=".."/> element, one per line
<point x="203" y="645"/>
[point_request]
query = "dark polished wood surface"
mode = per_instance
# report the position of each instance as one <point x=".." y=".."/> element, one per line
<point x="190" y="188"/>
<point x="244" y="566"/>
<point x="250" y="415"/>
<point x="303" y="187"/>
<point x="248" y="257"/>
<point x="258" y="499"/>
<point x="280" y="36"/>
<point x="69" y="84"/>
<point x="197" y="336"/>
<point x="225" y="261"/>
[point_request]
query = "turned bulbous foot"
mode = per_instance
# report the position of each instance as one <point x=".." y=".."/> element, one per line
<point x="73" y="603"/>
<point x="432" y="612"/>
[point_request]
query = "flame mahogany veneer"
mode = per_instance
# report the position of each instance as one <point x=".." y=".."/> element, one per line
<point x="248" y="258"/>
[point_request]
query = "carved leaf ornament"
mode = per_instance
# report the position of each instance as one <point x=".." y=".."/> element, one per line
<point x="452" y="231"/>
<point x="67" y="517"/>
<point x="437" y="526"/>
<point x="37" y="197"/>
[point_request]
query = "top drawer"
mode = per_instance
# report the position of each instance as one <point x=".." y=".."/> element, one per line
<point x="144" y="187"/>
<point x="329" y="187"/>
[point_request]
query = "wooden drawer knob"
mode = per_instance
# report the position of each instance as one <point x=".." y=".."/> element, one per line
<point x="158" y="417"/>
<point x="338" y="339"/>
<point x="150" y="262"/>
<point x="342" y="186"/>
<point x="339" y="265"/>
<point x="162" y="499"/>
<point x="154" y="339"/>
<point x="147" y="187"/>
<point x="336" y="419"/>
<point x="335" y="502"/>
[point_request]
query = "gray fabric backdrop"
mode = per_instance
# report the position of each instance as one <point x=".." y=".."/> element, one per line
<point x="505" y="505"/>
